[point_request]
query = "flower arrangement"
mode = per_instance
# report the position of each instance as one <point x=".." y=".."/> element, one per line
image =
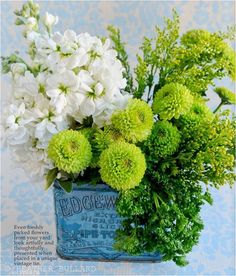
<point x="79" y="115"/>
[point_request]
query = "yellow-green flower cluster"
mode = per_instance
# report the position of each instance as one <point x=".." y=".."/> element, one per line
<point x="227" y="97"/>
<point x="171" y="101"/>
<point x="122" y="165"/>
<point x="163" y="141"/>
<point x="135" y="122"/>
<point x="70" y="151"/>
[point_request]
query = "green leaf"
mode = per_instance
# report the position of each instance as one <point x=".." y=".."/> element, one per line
<point x="208" y="198"/>
<point x="156" y="200"/>
<point x="51" y="176"/>
<point x="180" y="261"/>
<point x="66" y="185"/>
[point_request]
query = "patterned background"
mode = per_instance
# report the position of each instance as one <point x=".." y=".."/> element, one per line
<point x="24" y="203"/>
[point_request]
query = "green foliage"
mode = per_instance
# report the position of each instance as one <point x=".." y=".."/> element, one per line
<point x="66" y="185"/>
<point x="206" y="148"/>
<point x="171" y="228"/>
<point x="162" y="214"/>
<point x="135" y="122"/>
<point x="119" y="46"/>
<point x="70" y="151"/>
<point x="171" y="101"/>
<point x="51" y="176"/>
<point x="122" y="166"/>
<point x="200" y="58"/>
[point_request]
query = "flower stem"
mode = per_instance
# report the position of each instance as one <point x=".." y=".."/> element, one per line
<point x="218" y="107"/>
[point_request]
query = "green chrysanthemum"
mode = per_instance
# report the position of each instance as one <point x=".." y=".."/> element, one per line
<point x="70" y="151"/>
<point x="172" y="100"/>
<point x="122" y="166"/>
<point x="164" y="139"/>
<point x="194" y="125"/>
<point x="226" y="95"/>
<point x="198" y="112"/>
<point x="135" y="122"/>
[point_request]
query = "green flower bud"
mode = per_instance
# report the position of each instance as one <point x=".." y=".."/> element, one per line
<point x="122" y="166"/>
<point x="70" y="151"/>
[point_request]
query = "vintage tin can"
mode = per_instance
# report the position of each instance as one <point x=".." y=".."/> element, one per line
<point x="86" y="221"/>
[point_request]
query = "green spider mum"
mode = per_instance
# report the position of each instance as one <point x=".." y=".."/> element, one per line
<point x="135" y="122"/>
<point x="172" y="100"/>
<point x="70" y="151"/>
<point x="227" y="97"/>
<point x="122" y="165"/>
<point x="164" y="139"/>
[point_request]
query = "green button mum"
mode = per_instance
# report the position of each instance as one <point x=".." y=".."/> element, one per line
<point x="164" y="139"/>
<point x="70" y="151"/>
<point x="135" y="122"/>
<point x="172" y="100"/>
<point x="122" y="166"/>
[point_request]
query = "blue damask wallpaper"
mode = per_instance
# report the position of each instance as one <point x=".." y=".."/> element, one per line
<point x="23" y="203"/>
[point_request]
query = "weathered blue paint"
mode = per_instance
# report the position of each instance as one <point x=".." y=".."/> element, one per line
<point x="86" y="221"/>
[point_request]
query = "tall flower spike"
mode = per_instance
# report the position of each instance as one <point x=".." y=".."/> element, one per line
<point x="122" y="166"/>
<point x="172" y="100"/>
<point x="70" y="151"/>
<point x="135" y="122"/>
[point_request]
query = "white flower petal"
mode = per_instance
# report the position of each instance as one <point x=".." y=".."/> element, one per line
<point x="87" y="108"/>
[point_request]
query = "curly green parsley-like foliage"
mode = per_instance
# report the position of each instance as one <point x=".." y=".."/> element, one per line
<point x="135" y="122"/>
<point x="171" y="101"/>
<point x="163" y="141"/>
<point x="168" y="222"/>
<point x="70" y="151"/>
<point x="122" y="166"/>
<point x="227" y="96"/>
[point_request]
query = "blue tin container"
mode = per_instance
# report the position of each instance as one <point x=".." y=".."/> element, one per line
<point x="86" y="221"/>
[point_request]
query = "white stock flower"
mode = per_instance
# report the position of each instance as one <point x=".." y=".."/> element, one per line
<point x="15" y="125"/>
<point x="62" y="88"/>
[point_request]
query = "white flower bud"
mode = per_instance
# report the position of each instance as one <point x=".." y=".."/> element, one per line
<point x="31" y="24"/>
<point x="18" y="69"/>
<point x="49" y="20"/>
